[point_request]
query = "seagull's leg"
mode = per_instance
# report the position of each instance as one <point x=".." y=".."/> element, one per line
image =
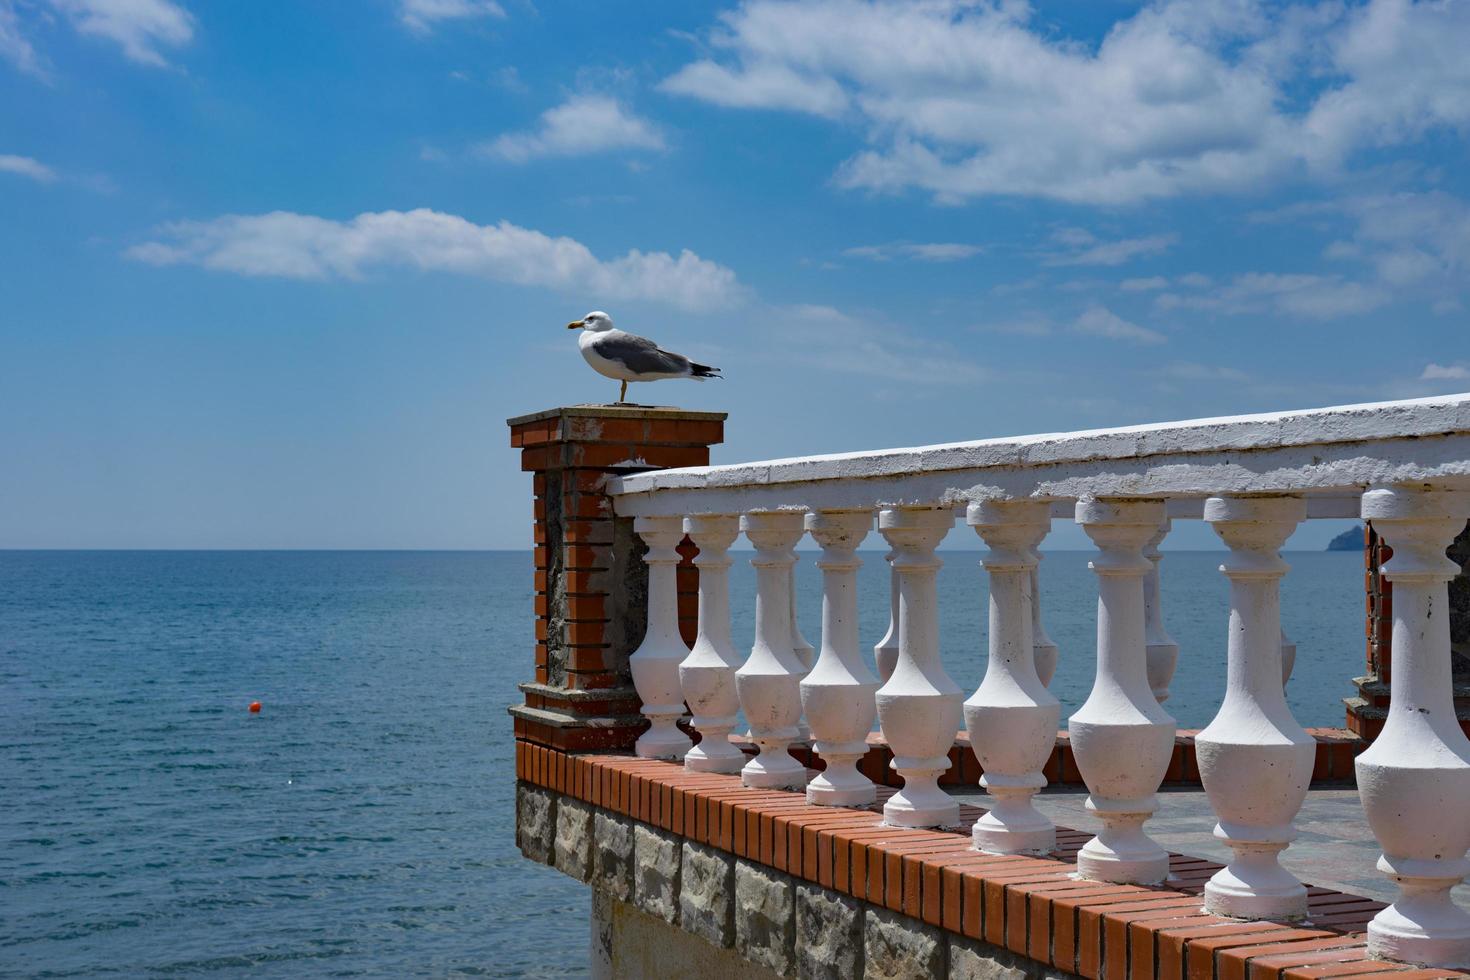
<point x="623" y="393"/>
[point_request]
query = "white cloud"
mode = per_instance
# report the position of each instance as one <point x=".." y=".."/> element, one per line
<point x="965" y="99"/>
<point x="300" y="246"/>
<point x="423" y="15"/>
<point x="1099" y="321"/>
<point x="1445" y="372"/>
<point x="1191" y="371"/>
<point x="923" y="251"/>
<point x="1414" y="238"/>
<point x="1195" y="280"/>
<point x="1090" y="251"/>
<point x="759" y="86"/>
<point x="14" y="47"/>
<point x="26" y="167"/>
<point x="582" y="125"/>
<point x="1294" y="294"/>
<point x="1025" y="326"/>
<point x="1143" y="285"/>
<point x="827" y="339"/>
<point x="139" y="27"/>
<point x="1407" y="73"/>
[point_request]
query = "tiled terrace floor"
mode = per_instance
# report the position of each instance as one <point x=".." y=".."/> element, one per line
<point x="1335" y="848"/>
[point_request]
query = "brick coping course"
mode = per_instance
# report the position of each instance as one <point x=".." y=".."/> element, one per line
<point x="1031" y="906"/>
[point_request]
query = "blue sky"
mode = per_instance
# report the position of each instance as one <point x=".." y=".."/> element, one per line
<point x="273" y="275"/>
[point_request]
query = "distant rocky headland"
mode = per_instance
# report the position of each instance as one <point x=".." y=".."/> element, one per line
<point x="1349" y="540"/>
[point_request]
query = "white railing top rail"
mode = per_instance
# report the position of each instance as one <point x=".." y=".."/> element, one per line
<point x="1329" y="453"/>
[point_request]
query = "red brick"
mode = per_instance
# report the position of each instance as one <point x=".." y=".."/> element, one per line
<point x="1200" y="954"/>
<point x="1338" y="950"/>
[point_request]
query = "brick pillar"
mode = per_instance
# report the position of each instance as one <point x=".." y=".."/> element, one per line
<point x="1367" y="711"/>
<point x="591" y="582"/>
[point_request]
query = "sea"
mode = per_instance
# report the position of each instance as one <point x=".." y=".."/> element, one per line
<point x="362" y="823"/>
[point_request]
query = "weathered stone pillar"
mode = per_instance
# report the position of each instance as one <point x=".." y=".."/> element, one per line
<point x="591" y="581"/>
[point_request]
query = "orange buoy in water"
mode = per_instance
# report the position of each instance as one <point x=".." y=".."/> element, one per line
<point x="255" y="707"/>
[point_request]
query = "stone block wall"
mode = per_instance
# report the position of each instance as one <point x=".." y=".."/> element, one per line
<point x="774" y="922"/>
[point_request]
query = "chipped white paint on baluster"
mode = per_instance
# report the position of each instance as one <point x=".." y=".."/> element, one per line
<point x="655" y="664"/>
<point x="707" y="675"/>
<point x="1044" y="651"/>
<point x="919" y="706"/>
<point x="885" y="654"/>
<point x="1254" y="759"/>
<point x="1163" y="652"/>
<point x="1012" y="717"/>
<point x="768" y="682"/>
<point x="1414" y="780"/>
<point x="1121" y="738"/>
<point x="837" y="696"/>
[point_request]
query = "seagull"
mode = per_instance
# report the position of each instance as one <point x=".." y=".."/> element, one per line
<point x="626" y="357"/>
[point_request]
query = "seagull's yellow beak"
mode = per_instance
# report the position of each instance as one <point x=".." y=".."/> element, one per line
<point x="575" y="325"/>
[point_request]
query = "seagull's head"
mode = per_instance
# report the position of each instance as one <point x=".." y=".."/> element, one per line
<point x="595" y="321"/>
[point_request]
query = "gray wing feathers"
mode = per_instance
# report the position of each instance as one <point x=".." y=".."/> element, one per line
<point x="641" y="355"/>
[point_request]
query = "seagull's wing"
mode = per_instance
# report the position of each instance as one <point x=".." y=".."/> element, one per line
<point x="641" y="355"/>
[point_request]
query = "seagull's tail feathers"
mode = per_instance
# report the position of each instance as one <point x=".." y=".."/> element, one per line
<point x="703" y="372"/>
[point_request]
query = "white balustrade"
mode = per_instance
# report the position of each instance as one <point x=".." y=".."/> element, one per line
<point x="1012" y="717"/>
<point x="768" y="683"/>
<point x="919" y="708"/>
<point x="1121" y="738"/>
<point x="1257" y="476"/>
<point x="655" y="664"/>
<point x="885" y="654"/>
<point x="1163" y="652"/>
<point x="1254" y="759"/>
<point x="1414" y="780"/>
<point x="1044" y="650"/>
<point x="837" y="696"/>
<point x="707" y="675"/>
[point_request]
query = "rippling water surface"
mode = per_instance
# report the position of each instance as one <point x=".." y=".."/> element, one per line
<point x="362" y="823"/>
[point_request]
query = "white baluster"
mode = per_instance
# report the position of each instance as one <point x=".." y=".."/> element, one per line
<point x="707" y="675"/>
<point x="1288" y="657"/>
<point x="919" y="706"/>
<point x="1044" y="650"/>
<point x="1012" y="717"/>
<point x="1121" y="738"/>
<point x="804" y="651"/>
<point x="837" y="696"/>
<point x="1254" y="759"/>
<point x="885" y="654"/>
<point x="1414" y="780"/>
<point x="768" y="682"/>
<point x="1163" y="652"/>
<point x="655" y="664"/>
<point x="806" y="654"/>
